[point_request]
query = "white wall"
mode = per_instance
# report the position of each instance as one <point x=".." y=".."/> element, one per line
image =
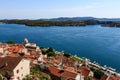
<point x="1" y="50"/>
<point x="24" y="69"/>
<point x="79" y="77"/>
<point x="24" y="50"/>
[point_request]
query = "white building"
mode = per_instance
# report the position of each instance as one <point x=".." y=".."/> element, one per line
<point x="1" y="50"/>
<point x="14" y="67"/>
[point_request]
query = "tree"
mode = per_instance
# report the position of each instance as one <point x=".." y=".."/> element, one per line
<point x="97" y="73"/>
<point x="51" y="54"/>
<point x="10" y="42"/>
<point x="50" y="50"/>
<point x="43" y="51"/>
<point x="67" y="55"/>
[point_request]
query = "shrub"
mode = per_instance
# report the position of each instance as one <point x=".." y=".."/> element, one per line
<point x="97" y="73"/>
<point x="51" y="54"/>
<point x="10" y="42"/>
<point x="67" y="55"/>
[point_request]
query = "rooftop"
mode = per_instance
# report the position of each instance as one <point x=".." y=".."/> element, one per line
<point x="9" y="63"/>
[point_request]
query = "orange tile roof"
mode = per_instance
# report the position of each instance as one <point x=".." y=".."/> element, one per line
<point x="68" y="74"/>
<point x="114" y="78"/>
<point x="1" y="54"/>
<point x="27" y="56"/>
<point x="104" y="77"/>
<point x="70" y="69"/>
<point x="13" y="55"/>
<point x="54" y="71"/>
<point x="62" y="73"/>
<point x="85" y="71"/>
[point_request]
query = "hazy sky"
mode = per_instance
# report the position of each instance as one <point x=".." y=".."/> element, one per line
<point x="35" y="9"/>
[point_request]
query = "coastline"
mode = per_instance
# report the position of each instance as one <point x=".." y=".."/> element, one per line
<point x="63" y="22"/>
<point x="95" y="64"/>
<point x="50" y="59"/>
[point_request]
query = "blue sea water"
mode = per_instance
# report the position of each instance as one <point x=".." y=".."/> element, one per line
<point x="100" y="44"/>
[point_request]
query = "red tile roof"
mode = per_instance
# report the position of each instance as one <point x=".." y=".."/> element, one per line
<point x="85" y="71"/>
<point x="1" y="54"/>
<point x="54" y="71"/>
<point x="104" y="77"/>
<point x="68" y="75"/>
<point x="13" y="55"/>
<point x="62" y="73"/>
<point x="114" y="78"/>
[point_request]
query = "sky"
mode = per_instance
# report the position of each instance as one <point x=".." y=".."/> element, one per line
<point x="36" y="9"/>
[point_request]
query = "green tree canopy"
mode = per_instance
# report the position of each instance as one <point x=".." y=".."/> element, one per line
<point x="51" y="54"/>
<point x="97" y="73"/>
<point x="67" y="55"/>
<point x="10" y="42"/>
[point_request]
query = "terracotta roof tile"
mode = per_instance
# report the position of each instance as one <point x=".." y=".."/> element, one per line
<point x="85" y="71"/>
<point x="1" y="54"/>
<point x="68" y="74"/>
<point x="114" y="78"/>
<point x="55" y="71"/>
<point x="62" y="73"/>
<point x="104" y="77"/>
<point x="13" y="55"/>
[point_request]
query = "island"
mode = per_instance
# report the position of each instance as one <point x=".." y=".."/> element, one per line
<point x="75" y="21"/>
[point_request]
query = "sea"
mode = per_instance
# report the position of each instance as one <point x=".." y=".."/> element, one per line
<point x="97" y="43"/>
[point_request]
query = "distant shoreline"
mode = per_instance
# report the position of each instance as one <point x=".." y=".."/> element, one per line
<point x="48" y="23"/>
<point x="2" y="23"/>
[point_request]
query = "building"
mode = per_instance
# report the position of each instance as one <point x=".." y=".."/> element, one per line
<point x="14" y="67"/>
<point x="62" y="74"/>
<point x="1" y="49"/>
<point x="110" y="77"/>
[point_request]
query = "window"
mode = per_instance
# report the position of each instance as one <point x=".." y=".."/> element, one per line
<point x="17" y="71"/>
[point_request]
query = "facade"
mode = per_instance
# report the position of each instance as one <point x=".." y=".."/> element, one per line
<point x="1" y="50"/>
<point x="22" y="69"/>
